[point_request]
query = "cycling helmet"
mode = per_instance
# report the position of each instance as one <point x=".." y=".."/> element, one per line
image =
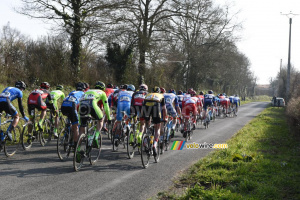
<point x="156" y="89"/>
<point x="201" y="93"/>
<point x="172" y="91"/>
<point x="130" y="87"/>
<point x="220" y="95"/>
<point x="162" y="90"/>
<point x="190" y="90"/>
<point x="192" y="93"/>
<point x="86" y="86"/>
<point x="59" y="87"/>
<point x="180" y="92"/>
<point x="236" y="95"/>
<point x="45" y="85"/>
<point x="210" y="92"/>
<point x="123" y="87"/>
<point x="143" y="87"/>
<point x="100" y="85"/>
<point x="20" y="85"/>
<point x="116" y="87"/>
<point x="79" y="86"/>
<point x="109" y="85"/>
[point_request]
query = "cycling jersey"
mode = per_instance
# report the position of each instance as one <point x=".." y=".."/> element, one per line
<point x="231" y="99"/>
<point x="88" y="106"/>
<point x="109" y="91"/>
<point x="36" y="100"/>
<point x="137" y="103"/>
<point x="124" y="103"/>
<point x="171" y="99"/>
<point x="152" y="107"/>
<point x="225" y="102"/>
<point x="180" y="98"/>
<point x="55" y="96"/>
<point x="70" y="104"/>
<point x="8" y="95"/>
<point x="209" y="99"/>
<point x="190" y="104"/>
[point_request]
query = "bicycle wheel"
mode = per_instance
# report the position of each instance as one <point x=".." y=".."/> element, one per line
<point x="145" y="150"/>
<point x="45" y="134"/>
<point x="63" y="147"/>
<point x="131" y="143"/>
<point x="26" y="137"/>
<point x="94" y="152"/>
<point x="79" y="153"/>
<point x="11" y="147"/>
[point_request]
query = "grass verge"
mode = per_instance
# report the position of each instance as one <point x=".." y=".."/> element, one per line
<point x="262" y="162"/>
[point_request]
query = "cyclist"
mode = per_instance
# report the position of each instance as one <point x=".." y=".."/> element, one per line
<point x="69" y="108"/>
<point x="123" y="104"/>
<point x="88" y="107"/>
<point x="109" y="89"/>
<point x="136" y="106"/>
<point x="36" y="99"/>
<point x="236" y="100"/>
<point x="52" y="105"/>
<point x="231" y="100"/>
<point x="191" y="103"/>
<point x="209" y="101"/>
<point x="8" y="95"/>
<point x="224" y="103"/>
<point x="153" y="104"/>
<point x="171" y="100"/>
<point x="86" y="87"/>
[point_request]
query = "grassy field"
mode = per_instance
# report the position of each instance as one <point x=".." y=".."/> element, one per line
<point x="256" y="98"/>
<point x="262" y="162"/>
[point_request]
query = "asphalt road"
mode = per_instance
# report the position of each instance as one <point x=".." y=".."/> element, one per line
<point x="39" y="174"/>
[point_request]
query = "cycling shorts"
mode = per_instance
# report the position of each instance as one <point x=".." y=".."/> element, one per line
<point x="171" y="111"/>
<point x="137" y="111"/>
<point x="8" y="107"/>
<point x="70" y="112"/>
<point x="188" y="108"/>
<point x="236" y="103"/>
<point x="89" y="108"/>
<point x="207" y="103"/>
<point x="123" y="106"/>
<point x="152" y="109"/>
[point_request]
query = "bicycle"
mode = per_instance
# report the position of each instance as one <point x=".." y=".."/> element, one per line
<point x="36" y="133"/>
<point x="86" y="148"/>
<point x="132" y="140"/>
<point x="187" y="134"/>
<point x="166" y="137"/>
<point x="147" y="147"/>
<point x="9" y="147"/>
<point x="65" y="143"/>
<point x="123" y="129"/>
<point x="51" y="124"/>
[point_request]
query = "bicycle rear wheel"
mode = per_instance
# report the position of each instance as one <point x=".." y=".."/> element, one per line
<point x="94" y="151"/>
<point x="79" y="153"/>
<point x="145" y="150"/>
<point x="157" y="156"/>
<point x="131" y="143"/>
<point x="63" y="147"/>
<point x="26" y="137"/>
<point x="11" y="147"/>
<point x="45" y="134"/>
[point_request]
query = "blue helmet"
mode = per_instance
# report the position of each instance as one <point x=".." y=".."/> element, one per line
<point x="172" y="91"/>
<point x="130" y="87"/>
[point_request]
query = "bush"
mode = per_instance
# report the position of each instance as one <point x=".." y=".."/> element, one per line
<point x="293" y="112"/>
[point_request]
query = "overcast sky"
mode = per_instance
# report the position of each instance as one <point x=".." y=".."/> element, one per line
<point x="264" y="37"/>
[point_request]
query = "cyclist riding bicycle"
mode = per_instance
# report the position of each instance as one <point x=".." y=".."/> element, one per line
<point x="36" y="100"/>
<point x="69" y="108"/>
<point x="209" y="101"/>
<point x="52" y="105"/>
<point x="153" y="104"/>
<point x="236" y="100"/>
<point x="123" y="105"/>
<point x="137" y="105"/>
<point x="190" y="103"/>
<point x="224" y="103"/>
<point x="88" y="106"/>
<point x="173" y="109"/>
<point x="8" y="95"/>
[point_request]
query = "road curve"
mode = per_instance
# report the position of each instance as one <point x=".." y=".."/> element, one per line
<point x="39" y="174"/>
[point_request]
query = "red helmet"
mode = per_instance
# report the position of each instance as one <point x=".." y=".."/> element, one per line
<point x="45" y="85"/>
<point x="190" y="90"/>
<point x="162" y="90"/>
<point x="192" y="93"/>
<point x="109" y="85"/>
<point x="143" y="87"/>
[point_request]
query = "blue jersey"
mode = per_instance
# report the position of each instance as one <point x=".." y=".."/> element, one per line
<point x="124" y="103"/>
<point x="10" y="93"/>
<point x="73" y="97"/>
<point x="171" y="99"/>
<point x="237" y="100"/>
<point x="231" y="99"/>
